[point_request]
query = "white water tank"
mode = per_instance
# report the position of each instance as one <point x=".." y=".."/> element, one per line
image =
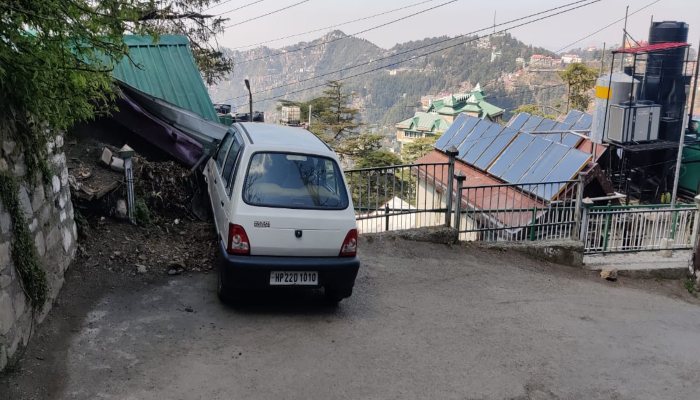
<point x="611" y="90"/>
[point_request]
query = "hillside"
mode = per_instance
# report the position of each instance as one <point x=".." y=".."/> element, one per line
<point x="391" y="92"/>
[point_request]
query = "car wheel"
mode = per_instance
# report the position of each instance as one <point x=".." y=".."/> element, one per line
<point x="221" y="289"/>
<point x="335" y="295"/>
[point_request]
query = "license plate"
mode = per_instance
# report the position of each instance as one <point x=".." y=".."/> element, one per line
<point x="291" y="278"/>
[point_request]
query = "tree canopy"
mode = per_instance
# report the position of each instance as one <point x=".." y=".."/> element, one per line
<point x="56" y="58"/>
<point x="579" y="78"/>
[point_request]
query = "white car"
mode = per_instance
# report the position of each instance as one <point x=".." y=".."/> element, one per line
<point x="283" y="213"/>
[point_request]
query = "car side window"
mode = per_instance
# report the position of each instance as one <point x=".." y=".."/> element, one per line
<point x="223" y="149"/>
<point x="329" y="178"/>
<point x="230" y="164"/>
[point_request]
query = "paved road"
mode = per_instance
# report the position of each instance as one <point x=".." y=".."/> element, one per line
<point x="426" y="322"/>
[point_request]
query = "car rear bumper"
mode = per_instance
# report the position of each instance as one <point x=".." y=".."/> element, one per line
<point x="253" y="272"/>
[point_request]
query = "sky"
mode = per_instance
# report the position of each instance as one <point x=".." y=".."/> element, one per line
<point x="458" y="17"/>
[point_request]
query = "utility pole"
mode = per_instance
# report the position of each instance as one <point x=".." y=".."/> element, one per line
<point x="309" y="127"/>
<point x="250" y="99"/>
<point x="624" y="38"/>
<point x="695" y="87"/>
<point x="679" y="157"/>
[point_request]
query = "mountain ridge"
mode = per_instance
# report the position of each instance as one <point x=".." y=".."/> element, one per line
<point x="384" y="96"/>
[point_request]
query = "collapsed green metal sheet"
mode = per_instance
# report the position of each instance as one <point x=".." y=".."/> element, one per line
<point x="166" y="70"/>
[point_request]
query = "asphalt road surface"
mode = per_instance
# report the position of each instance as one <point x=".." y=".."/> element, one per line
<point x="426" y="321"/>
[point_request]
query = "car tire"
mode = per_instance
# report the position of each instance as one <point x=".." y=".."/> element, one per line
<point x="335" y="295"/>
<point x="222" y="291"/>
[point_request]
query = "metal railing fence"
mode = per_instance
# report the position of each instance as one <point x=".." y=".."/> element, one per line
<point x="616" y="229"/>
<point x="518" y="212"/>
<point x="399" y="196"/>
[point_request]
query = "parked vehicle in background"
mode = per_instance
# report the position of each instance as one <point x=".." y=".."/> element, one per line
<point x="283" y="213"/>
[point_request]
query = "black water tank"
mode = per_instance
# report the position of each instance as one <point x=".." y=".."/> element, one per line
<point x="664" y="82"/>
<point x="671" y="61"/>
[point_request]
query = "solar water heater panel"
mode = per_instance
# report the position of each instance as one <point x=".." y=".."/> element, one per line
<point x="510" y="154"/>
<point x="528" y="157"/>
<point x="495" y="148"/>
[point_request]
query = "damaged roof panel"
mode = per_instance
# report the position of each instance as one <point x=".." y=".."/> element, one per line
<point x="166" y="70"/>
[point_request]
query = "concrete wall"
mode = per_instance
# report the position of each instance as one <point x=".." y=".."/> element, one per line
<point x="49" y="216"/>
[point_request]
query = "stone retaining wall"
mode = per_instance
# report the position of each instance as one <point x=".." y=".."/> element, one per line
<point x="49" y="216"/>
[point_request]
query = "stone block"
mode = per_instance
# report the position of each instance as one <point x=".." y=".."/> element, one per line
<point x="7" y="314"/>
<point x="20" y="302"/>
<point x="64" y="177"/>
<point x="62" y="200"/>
<point x="20" y="169"/>
<point x="56" y="184"/>
<point x="38" y="197"/>
<point x="75" y="230"/>
<point x="3" y="357"/>
<point x="50" y="146"/>
<point x="53" y="238"/>
<point x="8" y="146"/>
<point x="106" y="156"/>
<point x="59" y="160"/>
<point x="62" y="216"/>
<point x="33" y="225"/>
<point x="4" y="254"/>
<point x="5" y="222"/>
<point x="67" y="239"/>
<point x="45" y="214"/>
<point x="25" y="202"/>
<point x="117" y="164"/>
<point x="3" y="165"/>
<point x="40" y="243"/>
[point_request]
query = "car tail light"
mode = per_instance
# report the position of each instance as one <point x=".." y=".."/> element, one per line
<point x="349" y="247"/>
<point x="238" y="242"/>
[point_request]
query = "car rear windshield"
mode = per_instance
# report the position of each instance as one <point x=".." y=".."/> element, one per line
<point x="294" y="181"/>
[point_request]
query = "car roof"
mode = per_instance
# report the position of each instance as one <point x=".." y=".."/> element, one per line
<point x="276" y="137"/>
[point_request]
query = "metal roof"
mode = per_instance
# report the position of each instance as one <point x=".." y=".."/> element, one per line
<point x="652" y="47"/>
<point x="426" y="122"/>
<point x="166" y="69"/>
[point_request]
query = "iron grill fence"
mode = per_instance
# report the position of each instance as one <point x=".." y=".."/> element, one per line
<point x="615" y="229"/>
<point x="399" y="196"/>
<point x="518" y="212"/>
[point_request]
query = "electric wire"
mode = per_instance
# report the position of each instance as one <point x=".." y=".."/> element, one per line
<point x="267" y="14"/>
<point x="333" y="26"/>
<point x="235" y="9"/>
<point x="321" y="43"/>
<point x="424" y="54"/>
<point x="419" y="48"/>
<point x="606" y="27"/>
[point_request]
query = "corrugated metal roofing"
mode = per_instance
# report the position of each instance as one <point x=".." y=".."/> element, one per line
<point x="423" y="121"/>
<point x="166" y="70"/>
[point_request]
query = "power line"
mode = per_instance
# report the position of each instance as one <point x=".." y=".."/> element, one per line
<point x="427" y="53"/>
<point x="279" y="53"/>
<point x="605" y="27"/>
<point x="335" y="26"/>
<point x="266" y="14"/>
<point x="235" y="9"/>
<point x="424" y="46"/>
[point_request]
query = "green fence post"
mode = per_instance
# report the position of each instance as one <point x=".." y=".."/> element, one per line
<point x="532" y="225"/>
<point x="606" y="232"/>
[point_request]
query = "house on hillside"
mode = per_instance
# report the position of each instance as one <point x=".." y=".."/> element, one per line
<point x="522" y="167"/>
<point x="163" y="105"/>
<point x="421" y="125"/>
<point x="440" y="113"/>
<point x="471" y="103"/>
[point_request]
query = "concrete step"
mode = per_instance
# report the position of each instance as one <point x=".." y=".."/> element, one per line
<point x="642" y="264"/>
